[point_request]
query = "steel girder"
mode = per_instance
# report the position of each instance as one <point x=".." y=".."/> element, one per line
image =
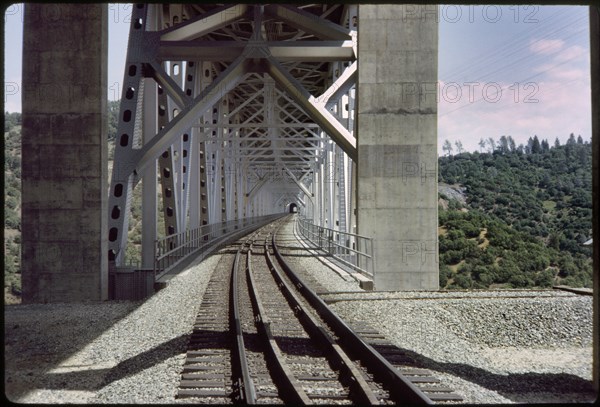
<point x="230" y="91"/>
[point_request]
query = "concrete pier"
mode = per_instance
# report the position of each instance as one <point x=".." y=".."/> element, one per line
<point x="64" y="153"/>
<point x="595" y="95"/>
<point x="397" y="143"/>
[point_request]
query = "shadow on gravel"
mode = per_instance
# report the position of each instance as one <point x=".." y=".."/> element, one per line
<point x="94" y="377"/>
<point x="512" y="386"/>
<point x="37" y="337"/>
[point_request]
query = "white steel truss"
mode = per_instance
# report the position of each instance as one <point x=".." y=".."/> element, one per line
<point x="236" y="110"/>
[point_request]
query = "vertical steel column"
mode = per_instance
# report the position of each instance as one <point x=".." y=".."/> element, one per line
<point x="327" y="177"/>
<point x="316" y="191"/>
<point x="193" y="153"/>
<point x="169" y="159"/>
<point x="214" y="167"/>
<point x="175" y="70"/>
<point x="121" y="183"/>
<point x="321" y="178"/>
<point x="350" y="166"/>
<point x="352" y="197"/>
<point x="231" y="154"/>
<point x="186" y="148"/>
<point x="207" y="132"/>
<point x="166" y="164"/>
<point x="149" y="180"/>
<point x="341" y="189"/>
<point x="224" y="146"/>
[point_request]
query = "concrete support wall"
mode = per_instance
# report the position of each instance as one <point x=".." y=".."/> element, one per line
<point x="397" y="143"/>
<point x="64" y="153"/>
<point x="595" y="82"/>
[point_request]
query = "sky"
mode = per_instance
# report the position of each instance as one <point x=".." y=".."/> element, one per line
<point x="517" y="71"/>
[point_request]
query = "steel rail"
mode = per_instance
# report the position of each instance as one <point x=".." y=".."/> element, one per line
<point x="247" y="389"/>
<point x="400" y="388"/>
<point x="291" y="390"/>
<point x="360" y="389"/>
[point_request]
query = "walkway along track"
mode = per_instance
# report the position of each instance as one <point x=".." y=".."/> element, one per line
<point x="262" y="336"/>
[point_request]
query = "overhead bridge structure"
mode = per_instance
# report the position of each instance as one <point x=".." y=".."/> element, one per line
<point x="228" y="112"/>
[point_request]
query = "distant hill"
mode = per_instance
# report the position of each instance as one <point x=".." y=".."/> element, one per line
<point x="528" y="212"/>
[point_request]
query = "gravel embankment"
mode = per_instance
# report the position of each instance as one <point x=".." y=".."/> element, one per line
<point x="490" y="346"/>
<point x="112" y="352"/>
<point x="495" y="349"/>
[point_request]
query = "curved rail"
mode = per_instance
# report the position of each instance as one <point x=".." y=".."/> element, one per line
<point x="293" y="392"/>
<point x="401" y="389"/>
<point x="247" y="390"/>
<point x="310" y="354"/>
<point x="360" y="389"/>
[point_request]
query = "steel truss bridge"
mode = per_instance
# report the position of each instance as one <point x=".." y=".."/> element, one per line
<point x="235" y="111"/>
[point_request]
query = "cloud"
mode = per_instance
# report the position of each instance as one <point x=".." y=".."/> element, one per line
<point x="571" y="53"/>
<point x="562" y="107"/>
<point x="569" y="74"/>
<point x="545" y="47"/>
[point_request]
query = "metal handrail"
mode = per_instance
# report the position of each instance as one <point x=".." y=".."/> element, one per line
<point x="171" y="250"/>
<point x="352" y="250"/>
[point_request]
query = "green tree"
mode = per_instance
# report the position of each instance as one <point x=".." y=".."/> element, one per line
<point x="113" y="119"/>
<point x="556" y="143"/>
<point x="459" y="146"/>
<point x="482" y="144"/>
<point x="491" y="144"/>
<point x="511" y="144"/>
<point x="503" y="145"/>
<point x="536" y="147"/>
<point x="447" y="147"/>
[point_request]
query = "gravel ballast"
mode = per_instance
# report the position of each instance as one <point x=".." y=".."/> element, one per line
<point x="489" y="346"/>
<point x="111" y="352"/>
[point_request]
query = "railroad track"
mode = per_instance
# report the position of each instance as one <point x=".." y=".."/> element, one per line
<point x="263" y="337"/>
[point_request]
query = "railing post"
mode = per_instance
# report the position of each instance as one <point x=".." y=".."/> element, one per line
<point x="155" y="258"/>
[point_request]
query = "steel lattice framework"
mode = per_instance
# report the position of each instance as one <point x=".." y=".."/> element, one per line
<point x="235" y="111"/>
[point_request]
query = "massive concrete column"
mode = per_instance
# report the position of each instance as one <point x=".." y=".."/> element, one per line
<point x="64" y="153"/>
<point x="397" y="143"/>
<point x="595" y="82"/>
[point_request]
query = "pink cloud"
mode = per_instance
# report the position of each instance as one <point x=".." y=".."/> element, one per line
<point x="568" y="74"/>
<point x="550" y="117"/>
<point x="571" y="53"/>
<point x="545" y="46"/>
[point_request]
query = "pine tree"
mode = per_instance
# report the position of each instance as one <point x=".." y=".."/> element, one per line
<point x="503" y="145"/>
<point x="492" y="144"/>
<point x="536" y="148"/>
<point x="482" y="144"/>
<point x="447" y="147"/>
<point x="529" y="145"/>
<point x="511" y="144"/>
<point x="545" y="146"/>
<point x="556" y="143"/>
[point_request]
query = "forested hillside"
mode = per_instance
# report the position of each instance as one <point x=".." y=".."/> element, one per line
<point x="527" y="214"/>
<point x="12" y="206"/>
